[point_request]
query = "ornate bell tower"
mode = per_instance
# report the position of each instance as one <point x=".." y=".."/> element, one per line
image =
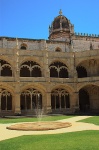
<point x="61" y="29"/>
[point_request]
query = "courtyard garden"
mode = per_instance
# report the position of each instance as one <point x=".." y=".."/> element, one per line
<point x="80" y="140"/>
<point x="94" y="120"/>
<point x="34" y="119"/>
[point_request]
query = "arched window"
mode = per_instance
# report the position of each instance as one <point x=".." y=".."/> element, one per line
<point x="58" y="70"/>
<point x="58" y="49"/>
<point x="23" y="46"/>
<point x="30" y="69"/>
<point x="31" y="99"/>
<point x="5" y="68"/>
<point x="6" y="100"/>
<point x="60" y="99"/>
<point x="81" y="71"/>
<point x="84" y="102"/>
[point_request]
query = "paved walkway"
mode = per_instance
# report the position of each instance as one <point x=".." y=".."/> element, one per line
<point x="76" y="126"/>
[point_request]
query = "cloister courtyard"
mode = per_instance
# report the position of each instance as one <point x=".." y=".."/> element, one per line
<point x="85" y="129"/>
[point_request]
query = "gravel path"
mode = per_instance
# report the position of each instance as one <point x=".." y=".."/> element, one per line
<point x="76" y="126"/>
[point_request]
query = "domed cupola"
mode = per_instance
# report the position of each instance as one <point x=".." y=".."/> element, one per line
<point x="61" y="28"/>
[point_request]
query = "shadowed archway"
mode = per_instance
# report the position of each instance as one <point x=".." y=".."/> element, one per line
<point x="5" y="68"/>
<point x="60" y="99"/>
<point x="81" y="71"/>
<point x="30" y="99"/>
<point x="30" y="69"/>
<point x="5" y="100"/>
<point x="58" y="70"/>
<point x="84" y="102"/>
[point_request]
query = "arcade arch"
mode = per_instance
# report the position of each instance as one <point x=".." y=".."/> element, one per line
<point x="5" y="99"/>
<point x="89" y="98"/>
<point x="60" y="99"/>
<point x="88" y="68"/>
<point x="30" y="99"/>
<point x="30" y="69"/>
<point x="5" y="68"/>
<point x="58" y="70"/>
<point x="81" y="72"/>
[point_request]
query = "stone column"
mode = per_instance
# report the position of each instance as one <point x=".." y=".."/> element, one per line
<point x="46" y="63"/>
<point x="72" y="70"/>
<point x="74" y="100"/>
<point x="17" y="99"/>
<point x="48" y="103"/>
<point x="17" y="80"/>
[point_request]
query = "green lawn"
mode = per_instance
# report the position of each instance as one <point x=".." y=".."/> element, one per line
<point x="32" y="119"/>
<point x="83" y="140"/>
<point x="94" y="120"/>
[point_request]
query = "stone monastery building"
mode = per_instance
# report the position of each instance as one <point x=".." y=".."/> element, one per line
<point x="61" y="73"/>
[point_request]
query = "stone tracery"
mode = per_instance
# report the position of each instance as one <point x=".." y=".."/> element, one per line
<point x="58" y="69"/>
<point x="30" y="69"/>
<point x="5" y="100"/>
<point x="60" y="99"/>
<point x="5" y="68"/>
<point x="29" y="99"/>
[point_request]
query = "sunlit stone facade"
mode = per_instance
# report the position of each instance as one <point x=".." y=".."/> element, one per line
<point x="62" y="73"/>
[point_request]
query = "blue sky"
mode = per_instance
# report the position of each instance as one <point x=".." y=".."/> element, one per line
<point x="31" y="18"/>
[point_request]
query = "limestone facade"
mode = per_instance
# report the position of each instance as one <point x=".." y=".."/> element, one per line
<point x="60" y="74"/>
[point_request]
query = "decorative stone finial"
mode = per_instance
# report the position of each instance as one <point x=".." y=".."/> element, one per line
<point x="17" y="44"/>
<point x="60" y="12"/>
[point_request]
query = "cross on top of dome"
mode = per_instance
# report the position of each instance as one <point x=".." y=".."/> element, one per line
<point x="60" y="12"/>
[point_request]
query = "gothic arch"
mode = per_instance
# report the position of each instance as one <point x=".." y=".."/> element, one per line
<point x="32" y="97"/>
<point x="58" y="70"/>
<point x="5" y="68"/>
<point x="68" y="88"/>
<point x="7" y="87"/>
<point x="6" y="99"/>
<point x="60" y="99"/>
<point x="81" y="71"/>
<point x="87" y="85"/>
<point x="61" y="61"/>
<point x="7" y="60"/>
<point x="89" y="97"/>
<point x="41" y="88"/>
<point x="91" y="65"/>
<point x="30" y="69"/>
<point x="32" y="59"/>
<point x="88" y="68"/>
<point x="84" y="100"/>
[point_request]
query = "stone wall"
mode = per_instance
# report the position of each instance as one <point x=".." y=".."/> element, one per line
<point x="43" y="52"/>
<point x="78" y="44"/>
<point x="83" y="43"/>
